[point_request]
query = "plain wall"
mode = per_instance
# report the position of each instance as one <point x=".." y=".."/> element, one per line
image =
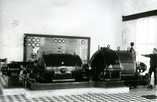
<point x="137" y="6"/>
<point x="99" y="19"/>
<point x="141" y="31"/>
<point x="129" y="27"/>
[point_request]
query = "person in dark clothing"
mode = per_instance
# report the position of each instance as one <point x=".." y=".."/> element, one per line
<point x="132" y="50"/>
<point x="153" y="64"/>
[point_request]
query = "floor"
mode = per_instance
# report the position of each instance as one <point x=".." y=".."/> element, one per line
<point x="143" y="91"/>
<point x="122" y="94"/>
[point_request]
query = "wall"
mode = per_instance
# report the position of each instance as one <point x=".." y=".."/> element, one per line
<point x="98" y="19"/>
<point x="137" y="6"/>
<point x="133" y="7"/>
<point x="141" y="31"/>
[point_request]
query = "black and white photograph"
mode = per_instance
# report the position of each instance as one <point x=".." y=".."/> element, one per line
<point x="78" y="50"/>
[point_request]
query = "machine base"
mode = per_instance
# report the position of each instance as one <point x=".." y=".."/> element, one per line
<point x="67" y="85"/>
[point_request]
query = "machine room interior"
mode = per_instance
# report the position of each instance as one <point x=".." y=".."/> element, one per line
<point x="78" y="51"/>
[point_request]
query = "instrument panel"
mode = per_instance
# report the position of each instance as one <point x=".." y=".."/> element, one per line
<point x="35" y="44"/>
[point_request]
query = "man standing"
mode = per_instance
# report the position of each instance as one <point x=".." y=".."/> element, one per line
<point x="153" y="64"/>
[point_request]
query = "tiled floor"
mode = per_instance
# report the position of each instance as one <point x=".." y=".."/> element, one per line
<point x="88" y="97"/>
<point x="143" y="91"/>
<point x="82" y="95"/>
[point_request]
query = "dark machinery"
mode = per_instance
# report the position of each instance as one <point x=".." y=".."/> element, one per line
<point x="128" y="63"/>
<point x="50" y="68"/>
<point x="64" y="67"/>
<point x="131" y="71"/>
<point x="105" y="65"/>
<point x="11" y="72"/>
<point x="119" y="64"/>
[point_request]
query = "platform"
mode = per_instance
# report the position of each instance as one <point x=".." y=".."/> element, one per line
<point x="68" y="85"/>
